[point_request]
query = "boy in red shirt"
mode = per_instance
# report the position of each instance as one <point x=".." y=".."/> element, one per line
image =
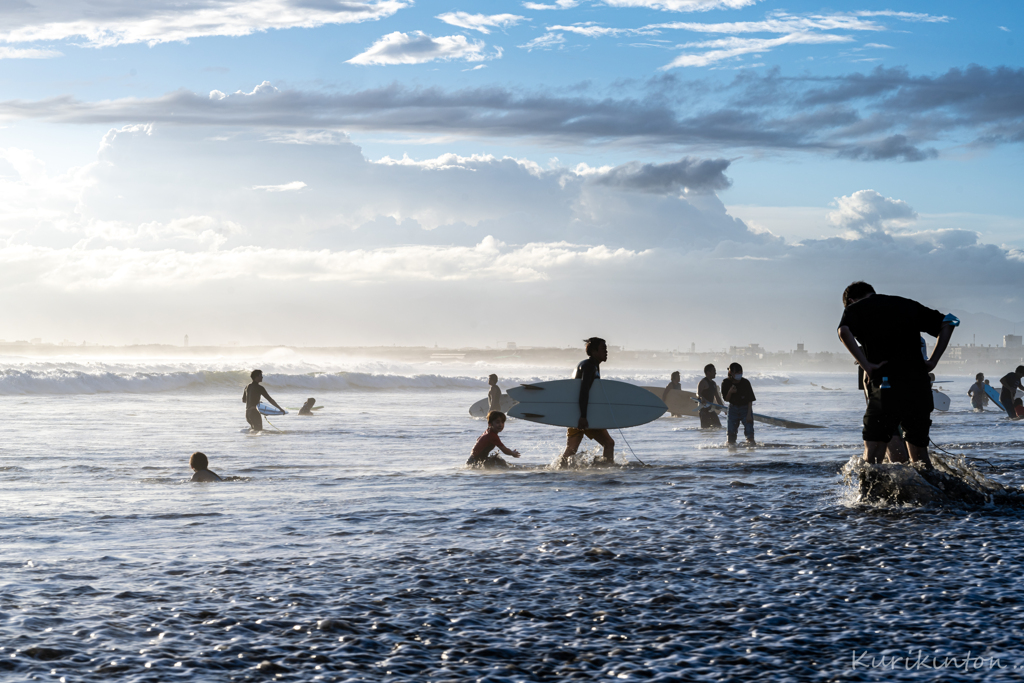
<point x="481" y="456"/>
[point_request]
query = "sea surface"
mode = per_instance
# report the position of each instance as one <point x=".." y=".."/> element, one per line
<point x="355" y="545"/>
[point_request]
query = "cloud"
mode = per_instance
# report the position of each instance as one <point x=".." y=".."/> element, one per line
<point x="687" y="174"/>
<point x="859" y="115"/>
<point x="559" y="4"/>
<point x="418" y="48"/>
<point x="866" y="212"/>
<point x="111" y="22"/>
<point x="480" y="22"/>
<point x="544" y="42"/>
<point x="28" y="53"/>
<point x="905" y="16"/>
<point x="287" y="187"/>
<point x="728" y="48"/>
<point x="163" y="232"/>
<point x="683" y="5"/>
<point x="892" y="147"/>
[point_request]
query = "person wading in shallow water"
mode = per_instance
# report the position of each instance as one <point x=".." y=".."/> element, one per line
<point x="589" y="370"/>
<point x="899" y="390"/>
<point x="251" y="398"/>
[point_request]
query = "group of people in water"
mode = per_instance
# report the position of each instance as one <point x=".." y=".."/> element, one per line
<point x="881" y="332"/>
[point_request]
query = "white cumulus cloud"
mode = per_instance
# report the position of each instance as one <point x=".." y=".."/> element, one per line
<point x="286" y="187"/>
<point x="418" y="48"/>
<point x="728" y="48"/>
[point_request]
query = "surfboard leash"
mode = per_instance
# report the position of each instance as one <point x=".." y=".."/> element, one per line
<point x="605" y="394"/>
<point x="272" y="424"/>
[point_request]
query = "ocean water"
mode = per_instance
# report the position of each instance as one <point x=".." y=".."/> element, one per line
<point x="354" y="544"/>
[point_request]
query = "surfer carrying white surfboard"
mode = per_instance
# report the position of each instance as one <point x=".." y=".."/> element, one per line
<point x="251" y="396"/>
<point x="707" y="390"/>
<point x="587" y="371"/>
<point x="899" y="390"/>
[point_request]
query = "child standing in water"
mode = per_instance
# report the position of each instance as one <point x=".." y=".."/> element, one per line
<point x="481" y="456"/>
<point x="740" y="395"/>
<point x="493" y="394"/>
<point x="200" y="464"/>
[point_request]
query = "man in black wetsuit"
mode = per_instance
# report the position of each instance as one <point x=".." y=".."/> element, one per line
<point x="708" y="392"/>
<point x="588" y="371"/>
<point x="1008" y="392"/>
<point x="899" y="390"/>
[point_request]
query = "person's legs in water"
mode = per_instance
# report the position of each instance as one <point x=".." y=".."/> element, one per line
<point x="709" y="419"/>
<point x="736" y="415"/>
<point x="748" y="424"/>
<point x="1006" y="398"/>
<point x="255" y="420"/>
<point x="602" y="437"/>
<point x="573" y="439"/>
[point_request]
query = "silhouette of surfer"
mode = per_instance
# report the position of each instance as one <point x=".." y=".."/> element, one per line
<point x="1011" y="383"/>
<point x="707" y="390"/>
<point x="672" y="385"/>
<point x="899" y="390"/>
<point x="977" y="393"/>
<point x="307" y="407"/>
<point x="589" y="370"/>
<point x="251" y="398"/>
<point x="493" y="394"/>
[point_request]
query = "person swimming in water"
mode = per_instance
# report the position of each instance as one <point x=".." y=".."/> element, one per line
<point x="251" y="398"/>
<point x="307" y="407"/>
<point x="200" y="465"/>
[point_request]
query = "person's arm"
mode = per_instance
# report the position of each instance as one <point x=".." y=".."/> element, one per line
<point x="588" y="381"/>
<point x="272" y="401"/>
<point x="505" y="449"/>
<point x="733" y="386"/>
<point x="940" y="346"/>
<point x="718" y="393"/>
<point x="245" y="395"/>
<point x="970" y="392"/>
<point x="857" y="351"/>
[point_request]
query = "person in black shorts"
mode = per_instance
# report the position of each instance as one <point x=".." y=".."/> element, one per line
<point x="899" y="390"/>
<point x="588" y="371"/>
<point x="1010" y="384"/>
<point x="708" y="392"/>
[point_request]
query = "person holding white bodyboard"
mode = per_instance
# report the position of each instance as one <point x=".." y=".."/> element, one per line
<point x="251" y="396"/>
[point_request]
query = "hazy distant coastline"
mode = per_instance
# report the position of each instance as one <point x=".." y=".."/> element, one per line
<point x="961" y="360"/>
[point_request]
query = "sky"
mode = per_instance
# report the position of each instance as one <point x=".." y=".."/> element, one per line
<point x="655" y="172"/>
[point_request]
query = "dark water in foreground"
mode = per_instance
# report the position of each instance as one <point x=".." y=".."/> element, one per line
<point x="354" y="547"/>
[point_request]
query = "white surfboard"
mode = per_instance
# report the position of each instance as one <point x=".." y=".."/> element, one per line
<point x="612" y="405"/>
<point x="679" y="402"/>
<point x="940" y="400"/>
<point x="479" y="409"/>
<point x="270" y="410"/>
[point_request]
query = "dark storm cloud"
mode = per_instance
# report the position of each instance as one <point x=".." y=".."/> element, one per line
<point x="886" y="114"/>
<point x="695" y="175"/>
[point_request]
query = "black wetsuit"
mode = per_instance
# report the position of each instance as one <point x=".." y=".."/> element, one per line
<point x="708" y="394"/>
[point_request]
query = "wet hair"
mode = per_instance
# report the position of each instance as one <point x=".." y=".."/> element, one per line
<point x="675" y="375"/>
<point x="980" y="376"/>
<point x="253" y="374"/>
<point x="709" y="367"/>
<point x="495" y="415"/>
<point x="736" y="367"/>
<point x="856" y="290"/>
<point x="492" y="375"/>
<point x="199" y="461"/>
<point x="1020" y="370"/>
<point x="593" y="342"/>
<point x="310" y="401"/>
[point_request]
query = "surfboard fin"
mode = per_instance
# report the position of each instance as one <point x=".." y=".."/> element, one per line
<point x="532" y="415"/>
<point x="531" y="387"/>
